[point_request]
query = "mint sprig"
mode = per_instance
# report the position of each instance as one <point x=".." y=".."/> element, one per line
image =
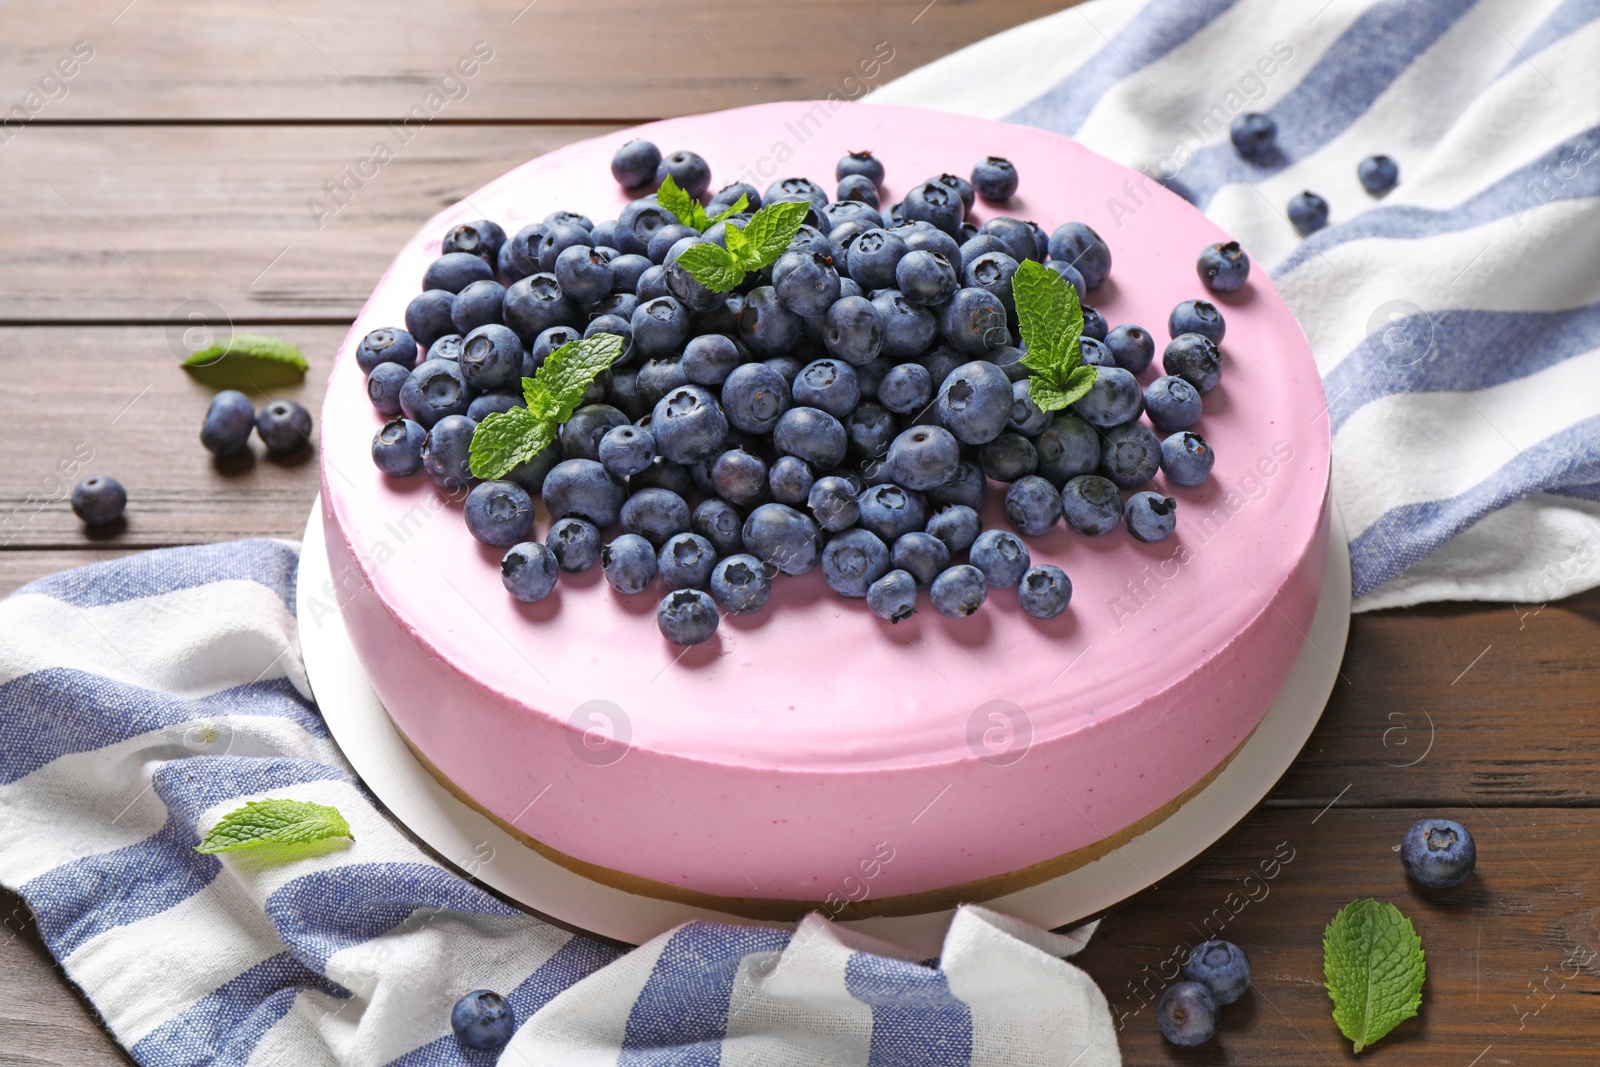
<point x="1374" y="966"/>
<point x="688" y="209"/>
<point x="1051" y="318"/>
<point x="274" y="822"/>
<point x="507" y="439"/>
<point x="756" y="246"/>
<point x="245" y="360"/>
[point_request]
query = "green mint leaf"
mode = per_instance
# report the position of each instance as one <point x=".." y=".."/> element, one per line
<point x="569" y="371"/>
<point x="1044" y="302"/>
<point x="1374" y="966"/>
<point x="681" y="204"/>
<point x="506" y="439"/>
<point x="1079" y="382"/>
<point x="713" y="266"/>
<point x="248" y="360"/>
<point x="738" y="206"/>
<point x="274" y="822"/>
<point x="1048" y="396"/>
<point x="770" y="230"/>
<point x="737" y="243"/>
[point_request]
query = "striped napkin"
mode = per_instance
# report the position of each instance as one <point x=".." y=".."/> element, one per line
<point x="142" y="699"/>
<point x="1456" y="321"/>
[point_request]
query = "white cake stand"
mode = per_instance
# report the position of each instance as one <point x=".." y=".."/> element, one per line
<point x="477" y="848"/>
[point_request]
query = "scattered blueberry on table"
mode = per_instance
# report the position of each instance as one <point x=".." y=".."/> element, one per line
<point x="99" y="501"/>
<point x="1187" y="1014"/>
<point x="1308" y="212"/>
<point x="483" y="1021"/>
<point x="1438" y="853"/>
<point x="1378" y="174"/>
<point x="1254" y="135"/>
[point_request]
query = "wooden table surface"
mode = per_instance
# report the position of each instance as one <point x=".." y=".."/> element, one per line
<point x="172" y="173"/>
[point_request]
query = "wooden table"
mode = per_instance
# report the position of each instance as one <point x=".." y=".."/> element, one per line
<point x="174" y="171"/>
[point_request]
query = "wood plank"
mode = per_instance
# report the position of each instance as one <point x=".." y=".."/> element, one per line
<point x="537" y="59"/>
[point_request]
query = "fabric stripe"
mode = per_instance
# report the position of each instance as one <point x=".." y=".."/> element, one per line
<point x="165" y="570"/>
<point x="1571" y="15"/>
<point x="916" y="1021"/>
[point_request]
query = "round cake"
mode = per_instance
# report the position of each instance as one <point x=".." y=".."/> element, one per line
<point x="810" y="754"/>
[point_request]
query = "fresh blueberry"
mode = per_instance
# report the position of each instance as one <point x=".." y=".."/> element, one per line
<point x="1114" y="398"/>
<point x="957" y="526"/>
<point x="626" y="271"/>
<point x="691" y="173"/>
<point x="1094" y="324"/>
<point x="574" y="542"/>
<point x="729" y="195"/>
<point x="940" y="361"/>
<point x="1077" y="244"/>
<point x="1001" y="556"/>
<point x="99" y="501"/>
<point x="1045" y="591"/>
<point x="605" y="235"/>
<point x="873" y="259"/>
<point x="1094" y="353"/>
<point x="853" y="330"/>
<point x="446" y="347"/>
<point x="1438" y="853"/>
<point x="529" y="571"/>
<point x="1150" y="517"/>
<point x="853" y="560"/>
<point x="548" y="342"/>
<point x="959" y="591"/>
<point x="637" y="222"/>
<point x="974" y="321"/>
<point x="491" y="359"/>
<point x="535" y="304"/>
<point x="530" y="474"/>
<point x="499" y="513"/>
<point x="1033" y="506"/>
<point x="582" y="487"/>
<point x="687" y="616"/>
<point x="739" y="476"/>
<point x="1172" y="404"/>
<point x="1132" y="347"/>
<point x="1091" y="504"/>
<point x="582" y="433"/>
<point x="961" y="187"/>
<point x="483" y="1020"/>
<point x="740" y="584"/>
<point x="1308" y="212"/>
<point x="1027" y="417"/>
<point x="754" y="396"/>
<point x="796" y="189"/>
<point x="857" y="188"/>
<point x="992" y="272"/>
<point x="446" y="453"/>
<point x="477" y="305"/>
<point x="1008" y="457"/>
<point x="783" y="537"/>
<point x="1016" y="235"/>
<point x="995" y="179"/>
<point x="906" y="388"/>
<point x="1068" y="447"/>
<point x="386" y="345"/>
<point x="660" y="326"/>
<point x="454" y="271"/>
<point x="652" y="284"/>
<point x="893" y="597"/>
<point x="1195" y="358"/>
<point x="709" y="358"/>
<point x="663" y="241"/>
<point x="1070" y="273"/>
<point x="975" y="402"/>
<point x="1378" y="174"/>
<point x="397" y="448"/>
<point x="1254" y="135"/>
<point x="635" y="163"/>
<point x="230" y="418"/>
<point x="926" y="278"/>
<point x="863" y="163"/>
<point x="1130" y="454"/>
<point x="657" y="378"/>
<point x="766" y="327"/>
<point x="284" y="426"/>
<point x="832" y="500"/>
<point x="923" y="457"/>
<point x="1197" y="316"/>
<point x="890" y="511"/>
<point x="629" y="563"/>
<point x="479" y="237"/>
<point x="1187" y="1014"/>
<point x="688" y="424"/>
<point x="627" y="450"/>
<point x="428" y="316"/>
<point x="1220" y="966"/>
<point x="827" y="384"/>
<point x="908" y="328"/>
<point x="1223" y="267"/>
<point x="720" y="523"/>
<point x="979" y="245"/>
<point x="685" y="561"/>
<point x="813" y="435"/>
<point x="922" y="237"/>
<point x="584" y="274"/>
<point x="870" y="431"/>
<point x="486" y="404"/>
<point x="920" y="554"/>
<point x="935" y="202"/>
<point x="967" y="486"/>
<point x="805" y="282"/>
<point x="790" y="480"/>
<point x="519" y="256"/>
<point x="655" y="514"/>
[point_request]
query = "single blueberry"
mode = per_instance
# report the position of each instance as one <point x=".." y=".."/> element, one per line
<point x="446" y="453"/>
<point x="1091" y="504"/>
<point x="499" y="513"/>
<point x="782" y="536"/>
<point x="812" y="434"/>
<point x="967" y="486"/>
<point x="1073" y="278"/>
<point x="534" y="304"/>
<point x="1150" y="517"/>
<point x="739" y="476"/>
<point x="655" y="514"/>
<point x="658" y="377"/>
<point x="685" y="561"/>
<point x="1197" y="316"/>
<point x="446" y="347"/>
<point x="993" y="272"/>
<point x="1001" y="556"/>
<point x="926" y="278"/>
<point x="1068" y="447"/>
<point x="1113" y="399"/>
<point x="1132" y="347"/>
<point x="1008" y="457"/>
<point x="582" y="433"/>
<point x="1378" y="174"/>
<point x="437" y="388"/>
<point x="1187" y="1014"/>
<point x="857" y="188"/>
<point x="1016" y="235"/>
<point x="709" y="358"/>
<point x="853" y="330"/>
<point x="519" y="256"/>
<point x="1186" y="458"/>
<point x="386" y="345"/>
<point x="923" y="457"/>
<point x="454" y="271"/>
<point x="720" y="523"/>
<point x="995" y="179"/>
<point x="890" y="510"/>
<point x="1172" y="404"/>
<point x="957" y="525"/>
<point x="546" y="344"/>
<point x="634" y="164"/>
<point x="529" y="571"/>
<point x="906" y="388"/>
<point x="1254" y="135"/>
<point x="1223" y="267"/>
<point x="920" y="554"/>
<point x="691" y="173"/>
<point x="629" y="563"/>
<point x="486" y="404"/>
<point x="483" y="1021"/>
<point x="853" y="560"/>
<point x="832" y="500"/>
<point x="863" y="163"/>
<point x="478" y="305"/>
<point x="893" y="597"/>
<point x="766" y="327"/>
<point x="99" y="501"/>
<point x="740" y="584"/>
<point x="1195" y="358"/>
<point x="428" y="316"/>
<point x="1027" y="417"/>
<point x="1080" y="246"/>
<point x="754" y="396"/>
<point x="1094" y="354"/>
<point x="1033" y="506"/>
<point x="729" y="195"/>
<point x="961" y="187"/>
<point x="284" y="426"/>
<point x="805" y="282"/>
<point x="230" y="418"/>
<point x="491" y="358"/>
<point x="874" y="258"/>
<point x="790" y="480"/>
<point x="480" y="237"/>
<point x="974" y="321"/>
<point x="829" y="385"/>
<point x="1045" y="591"/>
<point x="584" y="274"/>
<point x="582" y="487"/>
<point x="1438" y="853"/>
<point x="660" y="326"/>
<point x="688" y="424"/>
<point x="1130" y="454"/>
<point x="574" y="542"/>
<point x="935" y="202"/>
<point x="975" y="402"/>
<point x="397" y="448"/>
<point x="1094" y="324"/>
<point x="959" y="591"/>
<point x="1220" y="966"/>
<point x="626" y="450"/>
<point x="1308" y="212"/>
<point x="687" y="616"/>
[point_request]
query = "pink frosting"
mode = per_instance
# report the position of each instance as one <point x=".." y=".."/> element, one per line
<point x="781" y="757"/>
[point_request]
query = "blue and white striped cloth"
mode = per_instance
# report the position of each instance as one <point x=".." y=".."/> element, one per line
<point x="142" y="699"/>
<point x="1456" y="321"/>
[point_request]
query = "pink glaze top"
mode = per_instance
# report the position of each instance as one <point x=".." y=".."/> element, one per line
<point x="776" y="759"/>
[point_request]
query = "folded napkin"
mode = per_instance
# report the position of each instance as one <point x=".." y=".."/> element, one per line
<point x="1456" y="321"/>
<point x="142" y="699"/>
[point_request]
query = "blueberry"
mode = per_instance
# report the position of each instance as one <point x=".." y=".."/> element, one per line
<point x="1187" y="1014"/>
<point x="1150" y="517"/>
<point x="1027" y="418"/>
<point x="386" y="345"/>
<point x="1008" y="457"/>
<point x="977" y="246"/>
<point x="230" y="418"/>
<point x="783" y="537"/>
<point x="626" y="450"/>
<point x="499" y="513"/>
<point x="1438" y="853"/>
<point x="873" y="258"/>
<point x="687" y="616"/>
<point x="790" y="480"/>
<point x="1220" y="966"/>
<point x="1016" y="235"/>
<point x="923" y="457"/>
<point x="853" y="560"/>
<point x="446" y="347"/>
<point x="829" y="385"/>
<point x="547" y="342"/>
<point x="491" y="358"/>
<point x="1378" y="174"/>
<point x="1132" y="347"/>
<point x="1080" y="246"/>
<point x="853" y="330"/>
<point x="1186" y="458"/>
<point x="922" y="237"/>
<point x="729" y="195"/>
<point x="1308" y="212"/>
<point x="1195" y="358"/>
<point x="397" y="448"/>
<point x="582" y="433"/>
<point x="1073" y="278"/>
<point x="720" y="523"/>
<point x="1130" y="454"/>
<point x="796" y="189"/>
<point x="486" y="404"/>
<point x="1094" y="353"/>
<point x="529" y="572"/>
<point x="691" y="173"/>
<point x="1223" y="267"/>
<point x="961" y="187"/>
<point x="661" y="244"/>
<point x="1114" y="398"/>
<point x="740" y="584"/>
<point x="99" y="501"/>
<point x="479" y="237"/>
<point x="582" y="487"/>
<point x="966" y="486"/>
<point x="446" y="452"/>
<point x="857" y="188"/>
<point x="454" y="271"/>
<point x="483" y="1020"/>
<point x="926" y="278"/>
<point x="805" y="282"/>
<point x="575" y="543"/>
<point x="812" y="434"/>
<point x="437" y="388"/>
<point x="893" y="597"/>
<point x="957" y="525"/>
<point x="1045" y="591"/>
<point x="655" y="514"/>
<point x="531" y="473"/>
<point x="940" y="361"/>
<point x="535" y="304"/>
<point x="1001" y="556"/>
<point x="1067" y="448"/>
<point x="583" y="274"/>
<point x="521" y="252"/>
<point x="660" y="326"/>
<point x="935" y="202"/>
<point x="1172" y="404"/>
<point x="992" y="272"/>
<point x="688" y="424"/>
<point x="657" y="378"/>
<point x="863" y="163"/>
<point x="428" y="316"/>
<point x="626" y="271"/>
<point x="973" y="322"/>
<point x="477" y="305"/>
<point x="1197" y="316"/>
<point x="1254" y="135"/>
<point x="920" y="554"/>
<point x="832" y="500"/>
<point x="284" y="426"/>
<point x="709" y="358"/>
<point x="685" y="561"/>
<point x="629" y="563"/>
<point x="635" y="163"/>
<point x="739" y="476"/>
<point x="1033" y="506"/>
<point x="1091" y="504"/>
<point x="995" y="179"/>
<point x="959" y="591"/>
<point x="891" y="511"/>
<point x="975" y="402"/>
<point x="765" y="326"/>
<point x="753" y="397"/>
<point x="1094" y="324"/>
<point x="637" y="222"/>
<point x="786" y="366"/>
<point x="871" y="430"/>
<point x="652" y="284"/>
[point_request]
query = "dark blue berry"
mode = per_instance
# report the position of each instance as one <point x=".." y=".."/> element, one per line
<point x="1130" y="454"/>
<point x="397" y="448"/>
<point x="687" y="616"/>
<point x="891" y="511"/>
<point x="975" y="402"/>
<point x="1001" y="556"/>
<point x="1438" y="853"/>
<point x="1027" y="417"/>
<point x="634" y="164"/>
<point x="857" y="188"/>
<point x="853" y="330"/>
<point x="805" y="282"/>
<point x="691" y="173"/>
<point x="874" y="257"/>
<point x="1045" y="591"/>
<point x="99" y="501"/>
<point x="1378" y="174"/>
<point x="480" y="238"/>
<point x="853" y="560"/>
<point x="995" y="179"/>
<point x="660" y="326"/>
<point x="434" y="390"/>
<point x="584" y="274"/>
<point x="1078" y="245"/>
<point x="386" y="345"/>
<point x="720" y="523"/>
<point x="1068" y="447"/>
<point x="1016" y="235"/>
<point x="1223" y="267"/>
<point x="813" y="435"/>
<point x="1172" y="404"/>
<point x="920" y="554"/>
<point x="709" y="358"/>
<point x="491" y="358"/>
<point x="1150" y="517"/>
<point x="688" y="424"/>
<point x="740" y="584"/>
<point x="905" y="389"/>
<point x="626" y="450"/>
<point x="893" y="597"/>
<point x="1308" y="212"/>
<point x="1195" y="358"/>
<point x="1187" y="1014"/>
<point x="1114" y="398"/>
<point x="582" y="433"/>
<point x="582" y="487"/>
<point x="863" y="163"/>
<point x="832" y="500"/>
<point x="535" y="304"/>
<point x="923" y="457"/>
<point x="974" y="321"/>
<point x="477" y="305"/>
<point x="1094" y="324"/>
<point x="230" y="418"/>
<point x="685" y="561"/>
<point x="790" y="480"/>
<point x="1197" y="316"/>
<point x="284" y="426"/>
<point x="1254" y="135"/>
<point x="1008" y="457"/>
<point x="926" y="278"/>
<point x="754" y="396"/>
<point x="1033" y="506"/>
<point x="1094" y="353"/>
<point x="766" y="327"/>
<point x="957" y="525"/>
<point x="629" y="563"/>
<point x="1131" y="347"/>
<point x="428" y="316"/>
<point x="454" y="271"/>
<point x="829" y="385"/>
<point x="1091" y="504"/>
<point x="966" y="486"/>
<point x="1220" y="966"/>
<point x="959" y="591"/>
<point x="575" y="543"/>
<point x="483" y="1020"/>
<point x="486" y="404"/>
<point x="499" y="513"/>
<point x="446" y="452"/>
<point x="529" y="572"/>
<point x="739" y="476"/>
<point x="783" y="537"/>
<point x="655" y="514"/>
<point x="935" y="202"/>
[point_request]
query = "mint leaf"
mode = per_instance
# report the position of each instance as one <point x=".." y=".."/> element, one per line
<point x="1374" y="966"/>
<point x="567" y="373"/>
<point x="737" y="244"/>
<point x="274" y="822"/>
<point x="681" y="204"/>
<point x="1051" y="320"/>
<point x="712" y="265"/>
<point x="770" y="230"/>
<point x="246" y="360"/>
<point x="738" y="206"/>
<point x="507" y="439"/>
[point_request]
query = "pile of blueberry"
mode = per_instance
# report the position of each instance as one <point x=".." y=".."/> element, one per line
<point x="846" y="408"/>
<point x="1255" y="138"/>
